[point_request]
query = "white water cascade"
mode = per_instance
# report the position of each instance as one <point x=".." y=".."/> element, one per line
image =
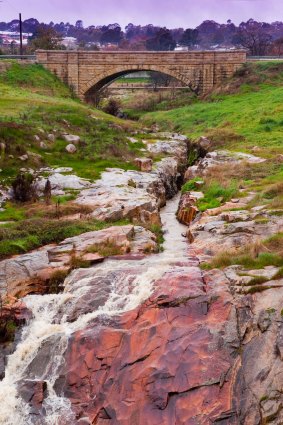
<point x="127" y="284"/>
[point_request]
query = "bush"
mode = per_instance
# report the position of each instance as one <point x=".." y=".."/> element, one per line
<point x="24" y="187"/>
<point x="112" y="108"/>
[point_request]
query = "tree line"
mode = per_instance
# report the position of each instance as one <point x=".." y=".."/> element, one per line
<point x="259" y="38"/>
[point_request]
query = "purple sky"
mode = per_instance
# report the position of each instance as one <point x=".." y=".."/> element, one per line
<point x="171" y="13"/>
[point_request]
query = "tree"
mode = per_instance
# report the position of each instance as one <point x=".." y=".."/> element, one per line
<point x="112" y="34"/>
<point x="254" y="36"/>
<point x="278" y="46"/>
<point x="189" y="38"/>
<point x="162" y="41"/>
<point x="24" y="188"/>
<point x="79" y="25"/>
<point x="45" y="38"/>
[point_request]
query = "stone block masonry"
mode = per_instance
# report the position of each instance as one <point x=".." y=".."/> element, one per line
<point x="88" y="72"/>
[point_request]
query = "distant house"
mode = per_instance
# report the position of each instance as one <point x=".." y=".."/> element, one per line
<point x="12" y="37"/>
<point x="70" y="43"/>
<point x="180" y="48"/>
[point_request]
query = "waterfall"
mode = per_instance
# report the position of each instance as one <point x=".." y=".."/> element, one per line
<point x="126" y="284"/>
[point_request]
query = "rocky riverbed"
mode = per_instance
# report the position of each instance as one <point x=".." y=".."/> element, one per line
<point x="149" y="339"/>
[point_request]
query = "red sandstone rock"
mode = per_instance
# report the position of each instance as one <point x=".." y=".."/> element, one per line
<point x="166" y="362"/>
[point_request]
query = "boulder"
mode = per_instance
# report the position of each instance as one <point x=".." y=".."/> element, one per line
<point x="71" y="148"/>
<point x="43" y="145"/>
<point x="23" y="157"/>
<point x="204" y="143"/>
<point x="144" y="164"/>
<point x="187" y="209"/>
<point x="71" y="138"/>
<point x="51" y="137"/>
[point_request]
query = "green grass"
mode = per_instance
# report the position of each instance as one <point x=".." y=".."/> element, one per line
<point x="32" y="98"/>
<point x="240" y="120"/>
<point x="215" y="194"/>
<point x="26" y="235"/>
<point x="35" y="78"/>
<point x="134" y="80"/>
<point x="226" y="259"/>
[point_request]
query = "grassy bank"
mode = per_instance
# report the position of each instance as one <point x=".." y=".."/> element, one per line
<point x="246" y="112"/>
<point x="34" y="102"/>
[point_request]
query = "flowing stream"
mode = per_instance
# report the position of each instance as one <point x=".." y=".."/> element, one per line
<point x="126" y="284"/>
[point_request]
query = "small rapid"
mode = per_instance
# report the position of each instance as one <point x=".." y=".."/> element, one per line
<point x="126" y="284"/>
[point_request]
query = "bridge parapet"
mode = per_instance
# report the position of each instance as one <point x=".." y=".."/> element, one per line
<point x="87" y="72"/>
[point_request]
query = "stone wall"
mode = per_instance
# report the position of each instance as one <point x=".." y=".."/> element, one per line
<point x="90" y="71"/>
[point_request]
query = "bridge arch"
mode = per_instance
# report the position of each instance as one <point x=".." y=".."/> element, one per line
<point x="104" y="79"/>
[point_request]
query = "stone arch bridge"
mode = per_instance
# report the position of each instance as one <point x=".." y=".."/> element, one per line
<point x="87" y="72"/>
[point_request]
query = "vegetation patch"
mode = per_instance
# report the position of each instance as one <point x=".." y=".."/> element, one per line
<point x="24" y="236"/>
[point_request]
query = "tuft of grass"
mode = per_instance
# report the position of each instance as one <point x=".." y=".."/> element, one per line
<point x="190" y="185"/>
<point x="215" y="194"/>
<point x="279" y="274"/>
<point x="257" y="280"/>
<point x="246" y="259"/>
<point x="106" y="249"/>
<point x="255" y="289"/>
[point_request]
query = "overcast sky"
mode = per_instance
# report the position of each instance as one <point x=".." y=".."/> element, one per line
<point x="170" y="13"/>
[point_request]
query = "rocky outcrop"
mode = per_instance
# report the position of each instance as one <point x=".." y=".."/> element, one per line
<point x="29" y="273"/>
<point x="132" y="194"/>
<point x="217" y="158"/>
<point x="168" y="361"/>
<point x="194" y="347"/>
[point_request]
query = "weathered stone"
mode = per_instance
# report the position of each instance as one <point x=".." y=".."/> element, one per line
<point x="61" y="182"/>
<point x="204" y="143"/>
<point x="23" y="157"/>
<point x="29" y="273"/>
<point x="71" y="148"/>
<point x="43" y="145"/>
<point x="72" y="139"/>
<point x="144" y="164"/>
<point x="51" y="137"/>
<point x="187" y="209"/>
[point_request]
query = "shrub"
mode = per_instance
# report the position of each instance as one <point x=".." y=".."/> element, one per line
<point x="24" y="187"/>
<point x="112" y="107"/>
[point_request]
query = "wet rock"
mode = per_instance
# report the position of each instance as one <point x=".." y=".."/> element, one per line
<point x="29" y="273"/>
<point x="264" y="321"/>
<point x="177" y="333"/>
<point x="187" y="209"/>
<point x="33" y="392"/>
